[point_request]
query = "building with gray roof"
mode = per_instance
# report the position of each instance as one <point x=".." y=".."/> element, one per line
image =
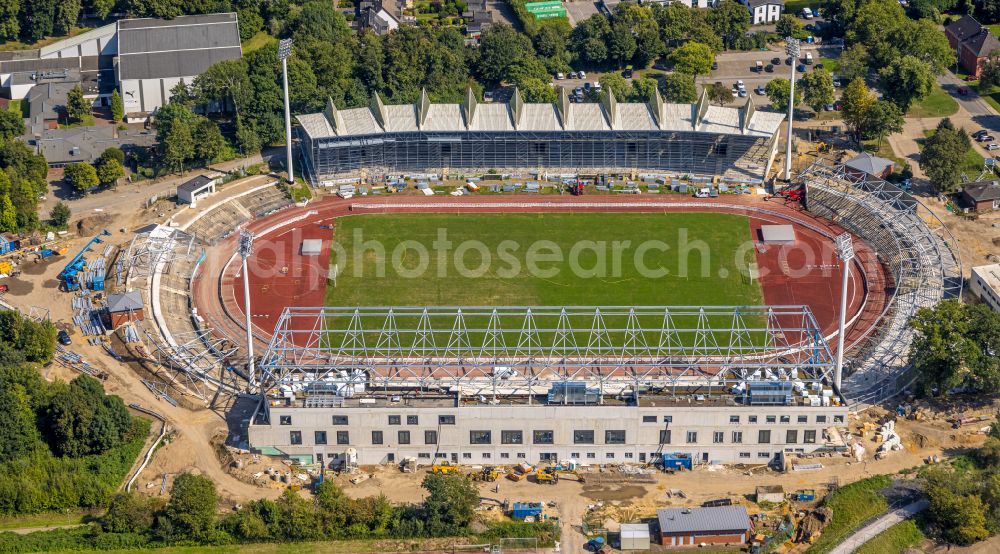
<point x="608" y="136"/>
<point x="693" y="526"/>
<point x="156" y="54"/>
<point x="85" y="144"/>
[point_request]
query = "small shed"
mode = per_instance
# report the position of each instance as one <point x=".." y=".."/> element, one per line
<point x="777" y="234"/>
<point x="867" y="164"/>
<point x="123" y="308"/>
<point x="635" y="536"/>
<point x="196" y="189"/>
<point x="311" y="247"/>
<point x="770" y="493"/>
<point x="8" y="243"/>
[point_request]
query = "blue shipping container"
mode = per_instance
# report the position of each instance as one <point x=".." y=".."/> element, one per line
<point x="526" y="509"/>
<point x="677" y="461"/>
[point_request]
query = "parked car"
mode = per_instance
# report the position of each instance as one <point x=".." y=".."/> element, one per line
<point x="993" y="146"/>
<point x="963" y="91"/>
<point x="837" y="83"/>
<point x="586" y="87"/>
<point x="740" y="84"/>
<point x="627" y="73"/>
<point x="838" y="106"/>
<point x="760" y="90"/>
<point x="807" y="13"/>
<point x="985" y="138"/>
<point x="560" y="76"/>
<point x="63" y="337"/>
<point x="715" y="65"/>
<point x="971" y="78"/>
<point x="488" y="96"/>
<point x="980" y="133"/>
<point x="788" y="60"/>
<point x="819" y="66"/>
<point x="572" y="74"/>
<point x="742" y="93"/>
<point x="776" y="61"/>
<point x="801" y="68"/>
<point x="583" y="74"/>
<point x="769" y="68"/>
<point x="828" y="108"/>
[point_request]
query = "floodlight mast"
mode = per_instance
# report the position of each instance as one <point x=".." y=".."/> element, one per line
<point x="284" y="51"/>
<point x="245" y="250"/>
<point x="845" y="251"/>
<point x="792" y="48"/>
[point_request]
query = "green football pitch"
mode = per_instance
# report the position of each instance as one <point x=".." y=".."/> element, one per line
<point x="543" y="259"/>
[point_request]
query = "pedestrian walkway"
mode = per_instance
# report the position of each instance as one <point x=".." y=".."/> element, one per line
<point x="879" y="526"/>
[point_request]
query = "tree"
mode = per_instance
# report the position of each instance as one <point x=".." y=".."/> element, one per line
<point x="588" y="40"/>
<point x="854" y="63"/>
<point x="942" y="156"/>
<point x="451" y="502"/>
<point x="117" y="107"/>
<point x="884" y="118"/>
<point x="679" y="88"/>
<point x="692" y="58"/>
<point x="778" y="90"/>
<point x="112" y="153"/>
<point x="11" y="125"/>
<point x="615" y="84"/>
<point x="501" y="47"/>
<point x="621" y="43"/>
<point x="223" y="86"/>
<point x="8" y="214"/>
<point x="720" y="93"/>
<point x="817" y="88"/>
<point x="956" y="508"/>
<point x="790" y="26"/>
<point x="942" y="349"/>
<point x="10" y="27"/>
<point x="906" y="81"/>
<point x="208" y="141"/>
<point x="129" y="513"/>
<point x="191" y="511"/>
<point x="250" y="21"/>
<point x="77" y="107"/>
<point x="60" y="214"/>
<point x="730" y="20"/>
<point x="857" y="100"/>
<point x="81" y="176"/>
<point x="643" y="89"/>
<point x="109" y="170"/>
<point x="18" y="434"/>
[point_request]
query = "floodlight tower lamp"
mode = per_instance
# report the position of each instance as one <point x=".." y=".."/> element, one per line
<point x="845" y="251"/>
<point x="245" y="250"/>
<point x="284" y="52"/>
<point x="793" y="49"/>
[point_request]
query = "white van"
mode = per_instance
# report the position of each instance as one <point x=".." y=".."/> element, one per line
<point x="809" y="58"/>
<point x="807" y="13"/>
<point x="702" y="193"/>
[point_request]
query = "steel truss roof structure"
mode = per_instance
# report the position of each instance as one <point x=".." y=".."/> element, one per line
<point x="514" y="349"/>
<point x="155" y="245"/>
<point x="915" y="246"/>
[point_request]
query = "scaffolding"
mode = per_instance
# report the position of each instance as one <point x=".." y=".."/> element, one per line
<point x="519" y="350"/>
<point x="150" y="247"/>
<point x="912" y="243"/>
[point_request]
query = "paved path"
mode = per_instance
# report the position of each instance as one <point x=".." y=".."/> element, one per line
<point x="879" y="526"/>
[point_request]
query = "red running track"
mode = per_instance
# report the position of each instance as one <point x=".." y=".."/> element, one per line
<point x="806" y="272"/>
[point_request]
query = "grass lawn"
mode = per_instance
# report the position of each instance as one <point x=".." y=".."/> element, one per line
<point x="893" y="540"/>
<point x="496" y="269"/>
<point x="972" y="165"/>
<point x="830" y="64"/>
<point x="852" y="505"/>
<point x="331" y="547"/>
<point x="937" y="104"/>
<point x="48" y="519"/>
<point x="258" y="41"/>
<point x="544" y="260"/>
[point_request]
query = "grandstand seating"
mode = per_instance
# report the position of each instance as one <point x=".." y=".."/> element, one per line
<point x="924" y="268"/>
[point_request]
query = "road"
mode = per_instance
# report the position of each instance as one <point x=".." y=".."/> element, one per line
<point x="879" y="526"/>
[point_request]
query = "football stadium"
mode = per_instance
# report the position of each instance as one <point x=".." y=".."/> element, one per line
<point x="493" y="318"/>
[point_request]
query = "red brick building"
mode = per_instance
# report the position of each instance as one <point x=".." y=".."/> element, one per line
<point x="693" y="526"/>
<point x="983" y="196"/>
<point x="973" y="43"/>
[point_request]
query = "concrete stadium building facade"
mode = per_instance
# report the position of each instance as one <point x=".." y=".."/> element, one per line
<point x="700" y="139"/>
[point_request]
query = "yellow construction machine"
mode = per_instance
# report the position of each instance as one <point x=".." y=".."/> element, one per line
<point x="444" y="468"/>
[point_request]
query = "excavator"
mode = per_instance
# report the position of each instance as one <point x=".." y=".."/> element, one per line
<point x="488" y="473"/>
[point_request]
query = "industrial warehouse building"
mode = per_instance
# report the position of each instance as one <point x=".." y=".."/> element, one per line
<point x="685" y="139"/>
<point x="713" y="430"/>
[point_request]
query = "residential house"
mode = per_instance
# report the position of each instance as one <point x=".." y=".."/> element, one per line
<point x="973" y="43"/>
<point x="982" y="196"/>
<point x="764" y="11"/>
